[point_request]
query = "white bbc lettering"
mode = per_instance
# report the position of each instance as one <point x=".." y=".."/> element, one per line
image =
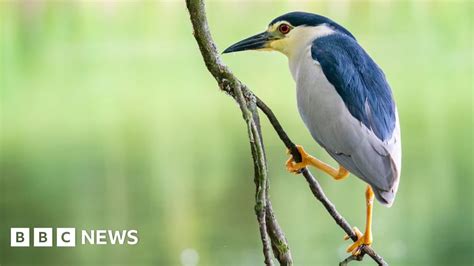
<point x="43" y="237"/>
<point x="132" y="237"/>
<point x="117" y="236"/>
<point x="20" y="237"/>
<point x="65" y="237"/>
<point x="87" y="237"/>
<point x="101" y="237"/>
<point x="113" y="237"/>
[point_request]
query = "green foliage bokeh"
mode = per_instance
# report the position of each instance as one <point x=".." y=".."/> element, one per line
<point x="109" y="119"/>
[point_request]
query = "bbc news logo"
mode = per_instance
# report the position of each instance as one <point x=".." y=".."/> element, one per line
<point x="66" y="237"/>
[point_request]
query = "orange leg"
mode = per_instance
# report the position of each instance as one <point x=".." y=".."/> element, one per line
<point x="307" y="159"/>
<point x="366" y="238"/>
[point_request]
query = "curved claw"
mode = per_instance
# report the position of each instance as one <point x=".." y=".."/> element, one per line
<point x="362" y="240"/>
<point x="294" y="167"/>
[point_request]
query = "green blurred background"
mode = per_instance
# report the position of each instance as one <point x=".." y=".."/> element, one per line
<point x="109" y="120"/>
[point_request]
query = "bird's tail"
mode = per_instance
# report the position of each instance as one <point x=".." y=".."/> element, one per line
<point x="386" y="197"/>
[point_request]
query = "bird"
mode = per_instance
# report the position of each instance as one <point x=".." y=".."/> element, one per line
<point x="344" y="100"/>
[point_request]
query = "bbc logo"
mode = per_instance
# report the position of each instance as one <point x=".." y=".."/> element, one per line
<point x="42" y="237"/>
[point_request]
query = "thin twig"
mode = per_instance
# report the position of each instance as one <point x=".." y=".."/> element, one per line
<point x="349" y="259"/>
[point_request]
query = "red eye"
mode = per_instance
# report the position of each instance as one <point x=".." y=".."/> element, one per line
<point x="284" y="28"/>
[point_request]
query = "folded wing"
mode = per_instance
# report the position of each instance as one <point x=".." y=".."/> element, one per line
<point x="368" y="142"/>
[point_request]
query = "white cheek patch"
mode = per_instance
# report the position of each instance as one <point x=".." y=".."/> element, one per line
<point x="301" y="37"/>
<point x="308" y="33"/>
<point x="321" y="31"/>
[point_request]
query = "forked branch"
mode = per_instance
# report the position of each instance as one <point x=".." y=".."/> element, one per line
<point x="271" y="234"/>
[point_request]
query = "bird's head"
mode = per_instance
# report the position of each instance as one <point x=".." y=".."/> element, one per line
<point x="289" y="33"/>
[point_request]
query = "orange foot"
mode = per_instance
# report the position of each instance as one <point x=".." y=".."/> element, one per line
<point x="294" y="167"/>
<point x="306" y="159"/>
<point x="362" y="240"/>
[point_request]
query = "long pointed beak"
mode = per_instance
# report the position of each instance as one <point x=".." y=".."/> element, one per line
<point x="255" y="42"/>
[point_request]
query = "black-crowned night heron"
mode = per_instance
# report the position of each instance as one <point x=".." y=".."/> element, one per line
<point x="344" y="100"/>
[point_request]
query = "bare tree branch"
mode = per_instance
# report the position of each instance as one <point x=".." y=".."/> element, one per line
<point x="349" y="259"/>
<point x="270" y="231"/>
<point x="272" y="236"/>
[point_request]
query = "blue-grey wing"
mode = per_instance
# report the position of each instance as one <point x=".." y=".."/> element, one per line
<point x="366" y="141"/>
<point x="358" y="80"/>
